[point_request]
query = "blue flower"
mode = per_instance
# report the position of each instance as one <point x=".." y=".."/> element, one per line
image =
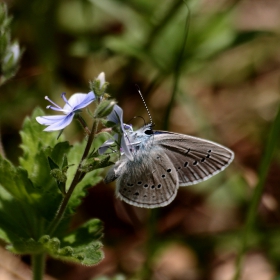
<point x="75" y="103"/>
<point x="116" y="116"/>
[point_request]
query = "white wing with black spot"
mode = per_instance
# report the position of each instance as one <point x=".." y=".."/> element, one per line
<point x="195" y="159"/>
<point x="149" y="181"/>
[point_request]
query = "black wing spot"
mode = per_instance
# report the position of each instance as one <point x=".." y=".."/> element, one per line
<point x="168" y="170"/>
<point x="195" y="162"/>
<point x="146" y="185"/>
<point x="163" y="176"/>
<point x="208" y="156"/>
<point x="187" y="151"/>
<point x="159" y="186"/>
<point x="209" y="151"/>
<point x="137" y="193"/>
<point x="185" y="165"/>
<point x="179" y="167"/>
<point x="129" y="185"/>
<point x="139" y="183"/>
<point x="153" y="186"/>
<point x="202" y="160"/>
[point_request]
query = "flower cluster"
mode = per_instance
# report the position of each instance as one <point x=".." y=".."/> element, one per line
<point x="72" y="106"/>
<point x="78" y="101"/>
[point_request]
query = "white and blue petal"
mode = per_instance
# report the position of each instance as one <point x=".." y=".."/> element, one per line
<point x="78" y="101"/>
<point x="58" y="122"/>
<point x="116" y="116"/>
<point x="126" y="147"/>
<point x="48" y="120"/>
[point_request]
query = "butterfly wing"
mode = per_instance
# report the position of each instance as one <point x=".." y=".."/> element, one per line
<point x="149" y="181"/>
<point x="195" y="159"/>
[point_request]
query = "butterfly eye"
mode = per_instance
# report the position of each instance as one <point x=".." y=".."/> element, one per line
<point x="149" y="132"/>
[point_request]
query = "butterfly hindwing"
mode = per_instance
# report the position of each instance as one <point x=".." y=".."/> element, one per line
<point x="149" y="181"/>
<point x="195" y="159"/>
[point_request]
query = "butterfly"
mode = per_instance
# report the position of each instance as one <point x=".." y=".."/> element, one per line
<point x="161" y="162"/>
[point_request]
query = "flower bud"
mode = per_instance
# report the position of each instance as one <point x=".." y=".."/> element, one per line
<point x="99" y="85"/>
<point x="104" y="108"/>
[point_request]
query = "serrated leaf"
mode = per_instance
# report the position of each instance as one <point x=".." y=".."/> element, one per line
<point x="34" y="139"/>
<point x="29" y="197"/>
<point x="89" y="231"/>
<point x="18" y="219"/>
<point x="38" y="146"/>
<point x="15" y="181"/>
<point x="81" y="246"/>
<point x="30" y="205"/>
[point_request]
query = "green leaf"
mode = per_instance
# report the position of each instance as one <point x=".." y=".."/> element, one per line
<point x="81" y="246"/>
<point x="16" y="181"/>
<point x="30" y="198"/>
<point x="37" y="148"/>
<point x="17" y="218"/>
<point x="34" y="139"/>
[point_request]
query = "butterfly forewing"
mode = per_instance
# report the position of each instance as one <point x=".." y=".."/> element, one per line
<point x="195" y="159"/>
<point x="149" y="181"/>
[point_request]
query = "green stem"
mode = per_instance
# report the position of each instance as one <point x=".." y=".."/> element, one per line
<point x="153" y="35"/>
<point x="156" y="31"/>
<point x="79" y="175"/>
<point x="177" y="73"/>
<point x="251" y="218"/>
<point x="151" y="244"/>
<point x="38" y="266"/>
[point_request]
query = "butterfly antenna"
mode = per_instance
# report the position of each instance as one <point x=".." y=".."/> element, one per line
<point x="149" y="114"/>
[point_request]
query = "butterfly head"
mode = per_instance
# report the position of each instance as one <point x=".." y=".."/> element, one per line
<point x="135" y="138"/>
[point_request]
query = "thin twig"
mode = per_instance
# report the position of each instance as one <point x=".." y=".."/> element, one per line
<point x="79" y="175"/>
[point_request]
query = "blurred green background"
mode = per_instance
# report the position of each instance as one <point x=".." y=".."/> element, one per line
<point x="208" y="68"/>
